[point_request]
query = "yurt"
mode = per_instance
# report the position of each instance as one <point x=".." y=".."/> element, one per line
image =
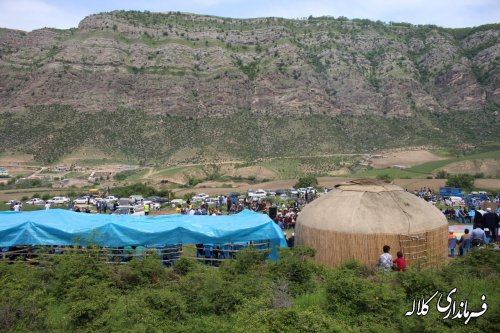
<point x="357" y="218"/>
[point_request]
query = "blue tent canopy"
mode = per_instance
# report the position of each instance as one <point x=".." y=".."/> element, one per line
<point x="63" y="227"/>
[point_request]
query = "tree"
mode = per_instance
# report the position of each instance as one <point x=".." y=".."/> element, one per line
<point x="441" y="174"/>
<point x="306" y="182"/>
<point x="463" y="181"/>
<point x="385" y="177"/>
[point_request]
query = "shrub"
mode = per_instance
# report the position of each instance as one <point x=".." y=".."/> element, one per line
<point x="441" y="174"/>
<point x="463" y="181"/>
<point x="385" y="177"/>
<point x="306" y="182"/>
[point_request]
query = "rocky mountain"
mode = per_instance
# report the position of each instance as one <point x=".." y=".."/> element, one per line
<point x="184" y="82"/>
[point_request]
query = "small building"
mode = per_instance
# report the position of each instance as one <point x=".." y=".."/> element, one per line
<point x="357" y="218"/>
<point x="4" y="172"/>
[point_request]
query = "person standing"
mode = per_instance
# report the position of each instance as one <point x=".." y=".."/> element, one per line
<point x="491" y="221"/>
<point x="47" y="205"/>
<point x="400" y="262"/>
<point x="478" y="236"/>
<point x="146" y="208"/>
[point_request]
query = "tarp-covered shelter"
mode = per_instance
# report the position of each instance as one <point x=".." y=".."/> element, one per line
<point x="62" y="227"/>
<point x="357" y="218"/>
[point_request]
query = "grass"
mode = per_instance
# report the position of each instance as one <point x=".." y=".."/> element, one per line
<point x="394" y="173"/>
<point x="137" y="175"/>
<point x="430" y="167"/>
<point x="25" y="208"/>
<point x="176" y="170"/>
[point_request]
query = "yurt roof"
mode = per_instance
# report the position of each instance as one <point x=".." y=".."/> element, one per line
<point x="371" y="207"/>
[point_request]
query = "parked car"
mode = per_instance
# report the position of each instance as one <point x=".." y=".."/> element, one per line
<point x="260" y="193"/>
<point x="129" y="210"/>
<point x="250" y="193"/>
<point x="199" y="197"/>
<point x="311" y="190"/>
<point x="110" y="199"/>
<point x="136" y="198"/>
<point x="158" y="199"/>
<point x="152" y="205"/>
<point x="82" y="200"/>
<point x="58" y="200"/>
<point x="177" y="201"/>
<point x="36" y="201"/>
<point x="211" y="201"/>
<point x="279" y="192"/>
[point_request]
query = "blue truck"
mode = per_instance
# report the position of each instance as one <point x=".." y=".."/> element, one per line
<point x="447" y="191"/>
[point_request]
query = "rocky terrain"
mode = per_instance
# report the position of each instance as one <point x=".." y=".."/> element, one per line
<point x="185" y="82"/>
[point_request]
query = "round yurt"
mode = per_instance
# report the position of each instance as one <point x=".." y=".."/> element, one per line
<point x="356" y="219"/>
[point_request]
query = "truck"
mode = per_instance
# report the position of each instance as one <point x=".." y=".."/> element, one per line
<point x="447" y="191"/>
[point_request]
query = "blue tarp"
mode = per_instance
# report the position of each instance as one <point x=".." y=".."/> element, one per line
<point x="63" y="227"/>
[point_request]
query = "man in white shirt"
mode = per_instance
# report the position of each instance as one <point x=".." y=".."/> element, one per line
<point x="385" y="260"/>
<point x="17" y="207"/>
<point x="47" y="205"/>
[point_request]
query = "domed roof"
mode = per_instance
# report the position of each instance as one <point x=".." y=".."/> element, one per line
<point x="371" y="207"/>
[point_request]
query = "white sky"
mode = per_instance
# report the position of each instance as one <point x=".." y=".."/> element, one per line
<point x="33" y="14"/>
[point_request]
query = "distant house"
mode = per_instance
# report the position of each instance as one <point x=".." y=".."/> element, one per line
<point x="4" y="172"/>
<point x="62" y="168"/>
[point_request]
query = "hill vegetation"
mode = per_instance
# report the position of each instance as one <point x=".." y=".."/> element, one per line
<point x="74" y="292"/>
<point x="156" y="139"/>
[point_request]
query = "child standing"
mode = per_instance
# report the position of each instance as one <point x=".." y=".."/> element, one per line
<point x="400" y="262"/>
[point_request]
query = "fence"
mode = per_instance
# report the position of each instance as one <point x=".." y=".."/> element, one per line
<point x="210" y="254"/>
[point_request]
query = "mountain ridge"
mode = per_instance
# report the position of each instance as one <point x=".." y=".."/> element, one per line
<point x="187" y="67"/>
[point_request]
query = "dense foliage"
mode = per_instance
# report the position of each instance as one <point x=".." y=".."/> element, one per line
<point x="79" y="293"/>
<point x="139" y="189"/>
<point x="463" y="181"/>
<point x="158" y="138"/>
<point x="306" y="181"/>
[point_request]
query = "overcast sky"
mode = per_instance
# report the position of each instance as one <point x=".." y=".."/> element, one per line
<point x="33" y="14"/>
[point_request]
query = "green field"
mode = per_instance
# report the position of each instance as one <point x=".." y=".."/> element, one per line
<point x="430" y="167"/>
<point x="394" y="173"/>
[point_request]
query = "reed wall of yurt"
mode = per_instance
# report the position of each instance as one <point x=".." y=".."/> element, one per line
<point x="333" y="248"/>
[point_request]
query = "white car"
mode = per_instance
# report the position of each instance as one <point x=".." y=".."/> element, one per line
<point x="199" y="197"/>
<point x="260" y="194"/>
<point x="81" y="200"/>
<point x="177" y="201"/>
<point x="58" y="200"/>
<point x="36" y="201"/>
<point x="211" y="201"/>
<point x="250" y="193"/>
<point x="129" y="210"/>
<point x="311" y="190"/>
<point x="152" y="205"/>
<point x="136" y="198"/>
<point x="454" y="201"/>
<point x="110" y="199"/>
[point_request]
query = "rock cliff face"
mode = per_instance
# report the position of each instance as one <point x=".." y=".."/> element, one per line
<point x="193" y="66"/>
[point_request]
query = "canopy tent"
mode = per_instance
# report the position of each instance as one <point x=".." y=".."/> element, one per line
<point x="62" y="227"/>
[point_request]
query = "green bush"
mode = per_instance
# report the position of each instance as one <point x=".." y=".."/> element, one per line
<point x="385" y="177"/>
<point x="463" y="181"/>
<point x="79" y="292"/>
<point x="306" y="182"/>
